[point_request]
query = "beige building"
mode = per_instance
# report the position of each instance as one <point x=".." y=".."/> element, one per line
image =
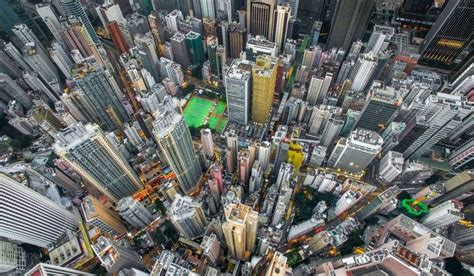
<point x="240" y="229"/>
<point x="98" y="215"/>
<point x="278" y="266"/>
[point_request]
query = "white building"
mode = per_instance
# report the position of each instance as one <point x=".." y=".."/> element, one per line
<point x="187" y="216"/>
<point x="134" y="212"/>
<point x="207" y="143"/>
<point x="211" y="246"/>
<point x="362" y="71"/>
<point x="391" y="165"/>
<point x="443" y="215"/>
<point x="347" y="200"/>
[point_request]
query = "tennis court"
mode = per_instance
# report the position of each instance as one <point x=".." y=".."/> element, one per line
<point x="196" y="111"/>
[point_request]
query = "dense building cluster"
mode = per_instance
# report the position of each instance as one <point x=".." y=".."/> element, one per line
<point x="232" y="137"/>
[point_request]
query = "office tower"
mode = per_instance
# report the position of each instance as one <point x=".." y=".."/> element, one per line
<point x="381" y="107"/>
<point x="208" y="8"/>
<point x="98" y="215"/>
<point x="116" y="255"/>
<point x="47" y="14"/>
<point x="44" y="269"/>
<point x="259" y="45"/>
<point x="240" y="229"/>
<point x="237" y="39"/>
<point x="355" y="153"/>
<point x="419" y="238"/>
<point x="172" y="19"/>
<point x="147" y="52"/>
<point x="314" y="90"/>
<point x="10" y="90"/>
<point x="92" y="156"/>
<point x="195" y="47"/>
<point x="113" y="28"/>
<point x="238" y="90"/>
<point x="74" y="7"/>
<point x="101" y="95"/>
<point x="180" y="51"/>
<point x="282" y="18"/>
<point x="207" y="143"/>
<point x="391" y="166"/>
<point x="278" y="266"/>
<point x="187" y="216"/>
<point x="176" y="146"/>
<point x="211" y="247"/>
<point x="443" y="113"/>
<point x="450" y="36"/>
<point x="109" y="12"/>
<point x="349" y="22"/>
<point x="133" y="212"/>
<point x="29" y="217"/>
<point x="263" y="87"/>
<point x="346" y="201"/>
<point x="443" y="215"/>
<point x="331" y="131"/>
<point x="362" y="71"/>
<point x="264" y="152"/>
<point x="260" y="17"/>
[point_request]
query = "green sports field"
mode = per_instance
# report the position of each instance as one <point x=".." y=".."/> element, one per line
<point x="198" y="110"/>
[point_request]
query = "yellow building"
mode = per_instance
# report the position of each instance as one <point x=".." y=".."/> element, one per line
<point x="98" y="215"/>
<point x="240" y="230"/>
<point x="264" y="74"/>
<point x="296" y="156"/>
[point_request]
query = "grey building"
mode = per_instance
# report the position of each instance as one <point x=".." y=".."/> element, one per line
<point x="188" y="217"/>
<point x="180" y="50"/>
<point x="238" y="86"/>
<point x="10" y="90"/>
<point x="134" y="212"/>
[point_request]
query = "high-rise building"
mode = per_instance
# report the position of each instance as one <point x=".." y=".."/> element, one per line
<point x="324" y="88"/>
<point x="260" y="17"/>
<point x="244" y="166"/>
<point x="238" y="87"/>
<point x="91" y="155"/>
<point x="259" y="45"/>
<point x="264" y="152"/>
<point x="43" y="269"/>
<point x="211" y="246"/>
<point x="314" y="90"/>
<point x="49" y="17"/>
<point x="133" y="212"/>
<point x="240" y="229"/>
<point x="172" y="19"/>
<point x="180" y="50"/>
<point x="331" y="131"/>
<point x="391" y="166"/>
<point x="447" y="43"/>
<point x="355" y="153"/>
<point x="443" y="215"/>
<point x="195" y="47"/>
<point x="380" y="107"/>
<point x="109" y="12"/>
<point x="98" y="215"/>
<point x="278" y="266"/>
<point x="115" y="256"/>
<point x="74" y="34"/>
<point x="362" y="71"/>
<point x="208" y="8"/>
<point x="349" y="22"/>
<point x="282" y="18"/>
<point x="39" y="62"/>
<point x="100" y="95"/>
<point x="187" y="216"/>
<point x="28" y="217"/>
<point x="10" y="90"/>
<point x="176" y="146"/>
<point x="147" y="52"/>
<point x="74" y="7"/>
<point x="237" y="36"/>
<point x="207" y="143"/>
<point x="263" y="87"/>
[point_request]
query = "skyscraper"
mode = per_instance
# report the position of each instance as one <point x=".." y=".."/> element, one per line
<point x="362" y="71"/>
<point x="260" y="17"/>
<point x="74" y="7"/>
<point x="355" y="153"/>
<point x="349" y="22"/>
<point x="263" y="87"/>
<point x="28" y="217"/>
<point x="314" y="90"/>
<point x="91" y="155"/>
<point x="175" y="145"/>
<point x="98" y="215"/>
<point x="9" y="90"/>
<point x="238" y="90"/>
<point x="282" y="18"/>
<point x="101" y="95"/>
<point x="195" y="48"/>
<point x="391" y="166"/>
<point x="240" y="229"/>
<point x="147" y="52"/>
<point x="180" y="50"/>
<point x="207" y="143"/>
<point x="132" y="211"/>
<point x="380" y="107"/>
<point x="447" y="43"/>
<point x="188" y="217"/>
